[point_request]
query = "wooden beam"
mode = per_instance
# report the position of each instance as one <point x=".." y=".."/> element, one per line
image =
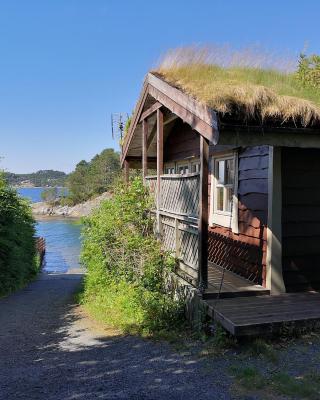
<point x="196" y="123"/>
<point x="274" y="278"/>
<point x="159" y="164"/>
<point x="203" y="213"/>
<point x="190" y="104"/>
<point x="144" y="149"/>
<point x="271" y="137"/>
<point x="153" y="132"/>
<point x="150" y="111"/>
<point x="126" y="171"/>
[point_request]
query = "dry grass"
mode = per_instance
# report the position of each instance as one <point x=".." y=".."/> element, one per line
<point x="245" y="83"/>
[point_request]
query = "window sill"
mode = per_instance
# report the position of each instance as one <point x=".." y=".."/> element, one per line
<point x="222" y="219"/>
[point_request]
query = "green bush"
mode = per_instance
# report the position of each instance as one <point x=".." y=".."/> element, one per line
<point x="18" y="259"/>
<point x="126" y="268"/>
<point x="309" y="70"/>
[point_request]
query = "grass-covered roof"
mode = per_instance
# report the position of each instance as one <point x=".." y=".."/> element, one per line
<point x="247" y="90"/>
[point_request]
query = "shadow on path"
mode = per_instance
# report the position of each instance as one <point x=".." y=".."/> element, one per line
<point x="48" y="351"/>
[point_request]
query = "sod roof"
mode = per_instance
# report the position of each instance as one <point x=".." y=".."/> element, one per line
<point x="251" y="92"/>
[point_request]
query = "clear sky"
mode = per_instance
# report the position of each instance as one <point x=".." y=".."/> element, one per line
<point x="66" y="65"/>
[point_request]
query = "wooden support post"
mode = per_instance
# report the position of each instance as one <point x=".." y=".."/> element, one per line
<point x="159" y="164"/>
<point x="177" y="237"/>
<point x="274" y="277"/>
<point x="144" y="149"/>
<point x="203" y="213"/>
<point x="126" y="171"/>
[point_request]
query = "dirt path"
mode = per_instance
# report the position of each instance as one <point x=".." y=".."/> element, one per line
<point x="49" y="350"/>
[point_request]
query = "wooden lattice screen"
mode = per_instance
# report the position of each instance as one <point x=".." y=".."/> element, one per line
<point x="180" y="194"/>
<point x="178" y="216"/>
<point x="233" y="255"/>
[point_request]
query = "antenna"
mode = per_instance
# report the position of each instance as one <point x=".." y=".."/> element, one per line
<point x="118" y="123"/>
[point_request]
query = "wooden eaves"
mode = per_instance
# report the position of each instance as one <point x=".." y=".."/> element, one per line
<point x="200" y="117"/>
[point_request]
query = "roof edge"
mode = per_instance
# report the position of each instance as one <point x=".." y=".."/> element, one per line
<point x="199" y="116"/>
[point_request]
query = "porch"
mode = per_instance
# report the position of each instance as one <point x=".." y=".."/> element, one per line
<point x="177" y="226"/>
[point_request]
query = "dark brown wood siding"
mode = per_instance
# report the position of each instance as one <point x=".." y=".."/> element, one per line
<point x="301" y="219"/>
<point x="245" y="253"/>
<point x="183" y="142"/>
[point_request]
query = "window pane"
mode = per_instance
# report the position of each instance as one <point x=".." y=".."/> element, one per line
<point x="229" y="194"/>
<point x="183" y="169"/>
<point x="229" y="171"/>
<point x="195" y="168"/>
<point x="221" y="171"/>
<point x="220" y="198"/>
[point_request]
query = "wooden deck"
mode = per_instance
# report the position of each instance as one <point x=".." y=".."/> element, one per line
<point x="233" y="285"/>
<point x="247" y="316"/>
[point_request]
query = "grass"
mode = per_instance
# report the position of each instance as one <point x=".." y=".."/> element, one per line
<point x="249" y="91"/>
<point x="270" y="384"/>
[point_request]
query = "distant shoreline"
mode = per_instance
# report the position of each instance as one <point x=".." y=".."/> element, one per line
<point x="43" y="209"/>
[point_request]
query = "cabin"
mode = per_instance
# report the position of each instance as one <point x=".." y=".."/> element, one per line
<point x="236" y="186"/>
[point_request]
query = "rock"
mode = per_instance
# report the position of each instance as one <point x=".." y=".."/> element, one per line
<point x="77" y="211"/>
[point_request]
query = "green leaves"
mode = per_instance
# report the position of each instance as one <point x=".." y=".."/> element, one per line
<point x="125" y="283"/>
<point x="18" y="263"/>
<point x="94" y="177"/>
<point x="309" y="70"/>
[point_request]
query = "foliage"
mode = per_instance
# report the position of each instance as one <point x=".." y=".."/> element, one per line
<point x="40" y="178"/>
<point x="306" y="386"/>
<point x="248" y="90"/>
<point x="50" y="195"/>
<point x="309" y="71"/>
<point x="94" y="177"/>
<point x="18" y="260"/>
<point x="124" y="285"/>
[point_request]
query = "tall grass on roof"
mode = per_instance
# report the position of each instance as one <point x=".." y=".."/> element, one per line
<point x="252" y="85"/>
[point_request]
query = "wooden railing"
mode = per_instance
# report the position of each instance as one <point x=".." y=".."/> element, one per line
<point x="41" y="248"/>
<point x="180" y="194"/>
<point x="178" y="219"/>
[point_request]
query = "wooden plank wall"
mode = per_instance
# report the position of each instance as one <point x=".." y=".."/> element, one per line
<point x="247" y="250"/>
<point x="301" y="218"/>
<point x="183" y="142"/>
<point x="245" y="253"/>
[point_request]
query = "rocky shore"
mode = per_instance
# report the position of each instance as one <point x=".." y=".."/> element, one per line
<point x="80" y="210"/>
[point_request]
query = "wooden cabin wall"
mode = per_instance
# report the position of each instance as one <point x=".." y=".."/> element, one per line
<point x="245" y="253"/>
<point x="301" y="219"/>
<point x="182" y="143"/>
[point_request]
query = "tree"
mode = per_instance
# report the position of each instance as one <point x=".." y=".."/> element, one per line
<point x="94" y="177"/>
<point x="50" y="195"/>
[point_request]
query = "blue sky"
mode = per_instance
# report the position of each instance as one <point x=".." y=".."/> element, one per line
<point x="66" y="65"/>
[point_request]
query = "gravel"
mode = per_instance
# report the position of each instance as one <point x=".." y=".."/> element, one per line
<point x="50" y="350"/>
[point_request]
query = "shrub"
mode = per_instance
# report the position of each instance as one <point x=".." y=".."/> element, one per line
<point x="309" y="70"/>
<point x="18" y="260"/>
<point x="126" y="269"/>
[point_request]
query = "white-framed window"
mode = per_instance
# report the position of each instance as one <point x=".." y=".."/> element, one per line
<point x="224" y="187"/>
<point x="169" y="169"/>
<point x="195" y="166"/>
<point x="183" y="168"/>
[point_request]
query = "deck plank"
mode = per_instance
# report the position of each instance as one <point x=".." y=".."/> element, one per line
<point x="260" y="315"/>
<point x="232" y="285"/>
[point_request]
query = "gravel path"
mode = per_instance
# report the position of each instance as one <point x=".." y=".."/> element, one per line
<point x="50" y="350"/>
